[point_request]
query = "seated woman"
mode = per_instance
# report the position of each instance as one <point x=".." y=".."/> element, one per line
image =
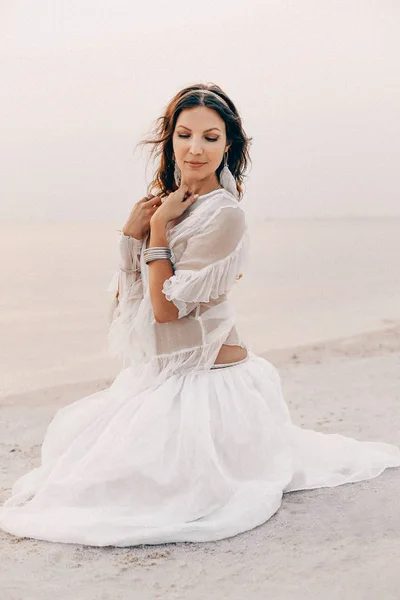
<point x="193" y="440"/>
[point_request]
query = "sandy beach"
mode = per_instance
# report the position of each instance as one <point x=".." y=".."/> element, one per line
<point x="104" y="102"/>
<point x="339" y="375"/>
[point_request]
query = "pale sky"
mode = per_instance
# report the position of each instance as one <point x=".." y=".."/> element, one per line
<point x="317" y="83"/>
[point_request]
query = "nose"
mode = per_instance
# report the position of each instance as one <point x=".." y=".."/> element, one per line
<point x="196" y="146"/>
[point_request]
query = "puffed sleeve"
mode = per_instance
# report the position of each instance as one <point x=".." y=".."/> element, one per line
<point x="211" y="261"/>
<point x="128" y="277"/>
<point x="130" y="285"/>
<point x="124" y="309"/>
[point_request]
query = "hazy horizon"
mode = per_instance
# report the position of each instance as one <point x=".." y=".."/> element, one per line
<point x="317" y="86"/>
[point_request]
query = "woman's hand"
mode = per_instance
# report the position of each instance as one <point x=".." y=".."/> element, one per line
<point x="138" y="222"/>
<point x="174" y="205"/>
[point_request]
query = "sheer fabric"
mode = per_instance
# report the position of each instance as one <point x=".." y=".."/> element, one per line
<point x="209" y="246"/>
<point x="175" y="450"/>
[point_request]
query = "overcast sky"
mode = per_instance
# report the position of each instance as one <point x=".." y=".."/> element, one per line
<point x="316" y="82"/>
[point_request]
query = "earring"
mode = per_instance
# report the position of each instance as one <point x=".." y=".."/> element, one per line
<point x="227" y="179"/>
<point x="177" y="174"/>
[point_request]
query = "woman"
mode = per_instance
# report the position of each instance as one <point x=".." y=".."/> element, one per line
<point x="193" y="441"/>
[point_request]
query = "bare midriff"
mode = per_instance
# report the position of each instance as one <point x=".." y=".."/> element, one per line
<point x="230" y="354"/>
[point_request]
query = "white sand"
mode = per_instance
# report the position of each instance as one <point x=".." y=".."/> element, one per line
<point x="342" y="542"/>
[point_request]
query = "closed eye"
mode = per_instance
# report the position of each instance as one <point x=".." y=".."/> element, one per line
<point x="207" y="138"/>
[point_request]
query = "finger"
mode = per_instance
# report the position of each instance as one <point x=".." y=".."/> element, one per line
<point x="146" y="198"/>
<point x="151" y="209"/>
<point x="191" y="199"/>
<point x="184" y="190"/>
<point x="150" y="200"/>
<point x="154" y="203"/>
<point x="187" y="195"/>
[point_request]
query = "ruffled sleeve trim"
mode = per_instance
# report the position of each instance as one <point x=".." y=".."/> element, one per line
<point x="188" y="287"/>
<point x="129" y="249"/>
<point x="113" y="284"/>
<point x="127" y="279"/>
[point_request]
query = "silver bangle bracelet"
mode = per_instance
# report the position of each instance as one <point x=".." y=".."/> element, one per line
<point x="150" y="259"/>
<point x="150" y="251"/>
<point x="163" y="248"/>
<point x="157" y="253"/>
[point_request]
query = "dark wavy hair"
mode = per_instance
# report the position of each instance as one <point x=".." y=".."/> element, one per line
<point x="189" y="97"/>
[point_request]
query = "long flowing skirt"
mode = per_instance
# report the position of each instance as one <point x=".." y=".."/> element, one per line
<point x="202" y="456"/>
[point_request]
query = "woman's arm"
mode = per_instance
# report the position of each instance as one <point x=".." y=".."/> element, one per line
<point x="172" y="207"/>
<point x="159" y="272"/>
<point x="132" y="234"/>
<point x="130" y="257"/>
<point x="207" y="268"/>
<point x="129" y="265"/>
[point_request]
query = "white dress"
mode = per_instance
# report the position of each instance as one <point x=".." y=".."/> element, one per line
<point x="175" y="450"/>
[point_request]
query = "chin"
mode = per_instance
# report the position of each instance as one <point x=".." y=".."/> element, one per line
<point x="196" y="174"/>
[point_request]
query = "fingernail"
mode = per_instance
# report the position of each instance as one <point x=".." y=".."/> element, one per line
<point x="196" y="196"/>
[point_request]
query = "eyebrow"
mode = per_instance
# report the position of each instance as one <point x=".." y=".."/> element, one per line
<point x="205" y="131"/>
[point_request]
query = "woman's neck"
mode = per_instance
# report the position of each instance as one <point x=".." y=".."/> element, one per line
<point x="203" y="187"/>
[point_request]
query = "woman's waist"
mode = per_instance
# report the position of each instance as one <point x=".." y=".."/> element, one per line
<point x="231" y="353"/>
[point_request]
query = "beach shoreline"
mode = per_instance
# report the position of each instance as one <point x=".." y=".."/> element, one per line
<point x="371" y="343"/>
<point x="326" y="543"/>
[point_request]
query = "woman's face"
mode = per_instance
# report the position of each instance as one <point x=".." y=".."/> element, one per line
<point x="199" y="136"/>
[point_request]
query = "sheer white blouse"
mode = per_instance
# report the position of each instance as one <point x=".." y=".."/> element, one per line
<point x="209" y="246"/>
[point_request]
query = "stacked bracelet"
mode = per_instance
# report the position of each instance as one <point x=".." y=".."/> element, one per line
<point x="157" y="253"/>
